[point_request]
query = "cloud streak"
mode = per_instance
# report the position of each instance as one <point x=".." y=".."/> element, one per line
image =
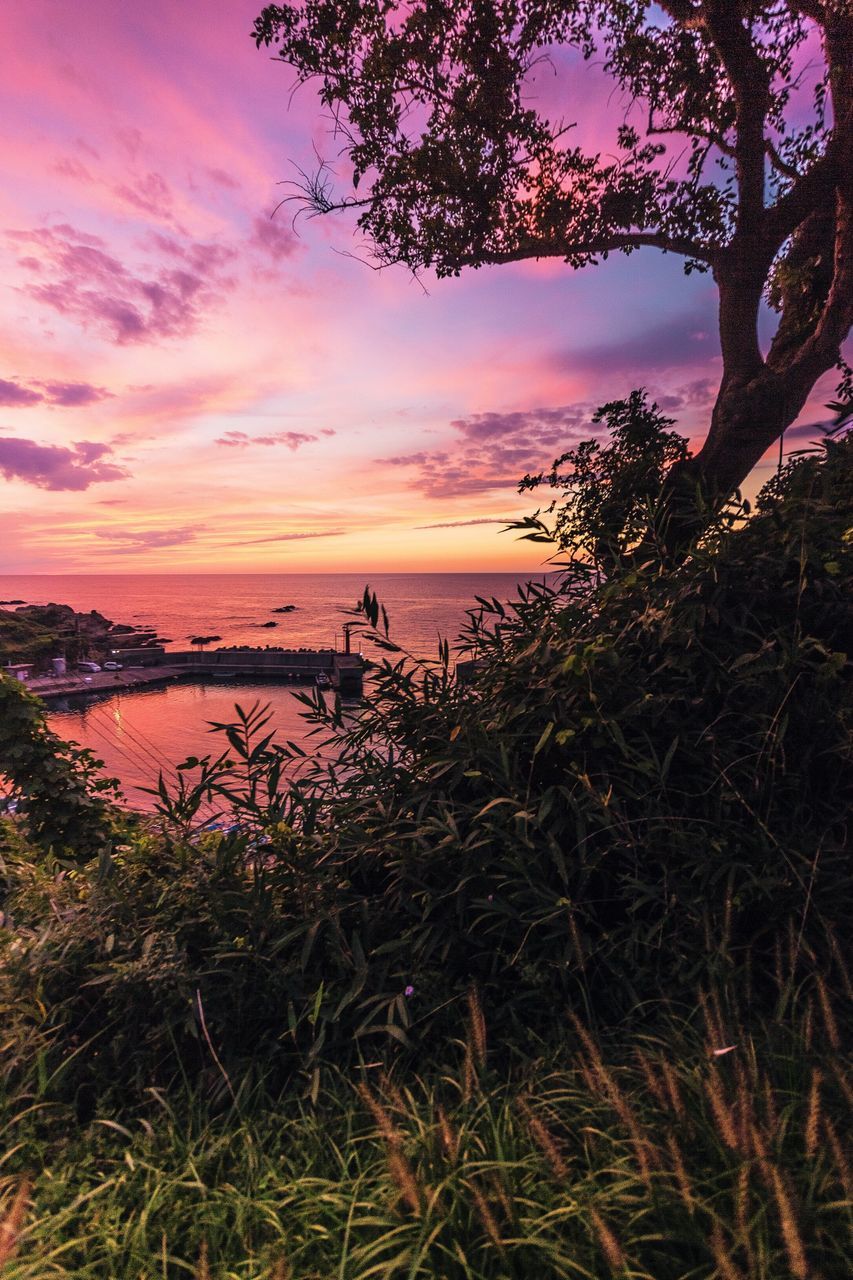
<point x="292" y="440"/>
<point x="149" y="539"/>
<point x="291" y="537"/>
<point x="462" y="524"/>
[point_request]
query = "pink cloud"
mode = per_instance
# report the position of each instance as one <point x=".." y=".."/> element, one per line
<point x="463" y="524"/>
<point x="149" y="539"/>
<point x="678" y="341"/>
<point x="494" y="450"/>
<point x="67" y="395"/>
<point x="13" y="395"/>
<point x="274" y="238"/>
<point x="91" y="285"/>
<point x="150" y="194"/>
<point x="224" y="179"/>
<point x="74" y="394"/>
<point x="57" y="468"/>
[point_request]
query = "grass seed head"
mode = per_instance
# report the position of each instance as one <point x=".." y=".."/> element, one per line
<point x="829" y="1023"/>
<point x="449" y="1139"/>
<point x="671" y="1081"/>
<point x="12" y="1223"/>
<point x="607" y="1241"/>
<point x="484" y="1213"/>
<point x="680" y="1170"/>
<point x="405" y="1180"/>
<point x="577" y="945"/>
<point x="720" y="1109"/>
<point x="839" y="1158"/>
<point x="545" y="1141"/>
<point x="712" y="1018"/>
<point x="813" y="1114"/>
<point x="722" y="1257"/>
<point x="381" y="1118"/>
<point x="469" y="1076"/>
<point x="202" y="1268"/>
<point x="790" y="1228"/>
<point x="843" y="1083"/>
<point x="476" y="1027"/>
<point x="653" y="1081"/>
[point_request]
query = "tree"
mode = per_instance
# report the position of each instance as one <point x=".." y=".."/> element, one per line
<point x="452" y="167"/>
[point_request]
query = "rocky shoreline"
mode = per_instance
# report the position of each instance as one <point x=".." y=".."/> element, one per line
<point x="32" y="635"/>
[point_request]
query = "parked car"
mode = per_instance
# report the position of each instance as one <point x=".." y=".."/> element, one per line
<point x="88" y="666"/>
<point x="112" y="666"/>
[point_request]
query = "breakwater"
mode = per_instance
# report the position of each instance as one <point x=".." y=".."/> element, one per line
<point x="345" y="671"/>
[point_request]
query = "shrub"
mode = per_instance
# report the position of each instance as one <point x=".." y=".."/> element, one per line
<point x="62" y="794"/>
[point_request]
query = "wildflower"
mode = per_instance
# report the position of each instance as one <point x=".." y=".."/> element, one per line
<point x="409" y="991"/>
<point x="718" y="1053"/>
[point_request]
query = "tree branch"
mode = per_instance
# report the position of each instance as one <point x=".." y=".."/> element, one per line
<point x="782" y="166"/>
<point x="682" y="11"/>
<point x="811" y="189"/>
<point x="748" y="78"/>
<point x="695" y="132"/>
<point x="813" y="9"/>
<point x="617" y="240"/>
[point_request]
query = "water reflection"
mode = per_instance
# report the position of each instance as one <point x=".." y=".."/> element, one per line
<point x="138" y="733"/>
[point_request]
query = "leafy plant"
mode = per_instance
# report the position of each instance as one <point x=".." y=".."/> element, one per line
<point x="64" y="798"/>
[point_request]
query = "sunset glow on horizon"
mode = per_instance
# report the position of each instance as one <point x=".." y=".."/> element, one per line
<point x="188" y="384"/>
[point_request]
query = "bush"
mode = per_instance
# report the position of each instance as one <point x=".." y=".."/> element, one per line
<point x="65" y="799"/>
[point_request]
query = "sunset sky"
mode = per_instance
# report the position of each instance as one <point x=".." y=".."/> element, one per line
<point x="186" y="384"/>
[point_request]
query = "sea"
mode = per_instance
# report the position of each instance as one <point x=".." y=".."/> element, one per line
<point x="138" y="734"/>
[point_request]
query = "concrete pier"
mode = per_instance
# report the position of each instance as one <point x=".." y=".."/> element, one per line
<point x="344" y="670"/>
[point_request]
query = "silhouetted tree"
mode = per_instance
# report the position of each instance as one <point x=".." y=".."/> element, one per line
<point x="453" y="166"/>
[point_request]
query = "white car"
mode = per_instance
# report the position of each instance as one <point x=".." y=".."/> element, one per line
<point x="88" y="666"/>
<point x="112" y="666"/>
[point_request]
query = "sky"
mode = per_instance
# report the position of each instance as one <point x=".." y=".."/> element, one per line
<point x="189" y="384"/>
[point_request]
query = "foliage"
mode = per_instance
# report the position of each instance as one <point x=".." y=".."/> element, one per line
<point x="23" y="640"/>
<point x="644" y="786"/>
<point x="610" y="492"/>
<point x="732" y="152"/>
<point x="433" y="107"/>
<point x="35" y="633"/>
<point x="65" y="799"/>
<point x="540" y="976"/>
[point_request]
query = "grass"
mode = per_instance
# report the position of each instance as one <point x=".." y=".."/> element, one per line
<point x="649" y="1156"/>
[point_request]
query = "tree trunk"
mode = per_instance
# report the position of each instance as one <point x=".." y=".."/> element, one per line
<point x="748" y="418"/>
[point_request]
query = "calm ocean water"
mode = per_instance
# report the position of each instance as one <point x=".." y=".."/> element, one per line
<point x="136" y="732"/>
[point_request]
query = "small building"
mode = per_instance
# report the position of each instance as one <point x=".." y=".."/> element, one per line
<point x="19" y="671"/>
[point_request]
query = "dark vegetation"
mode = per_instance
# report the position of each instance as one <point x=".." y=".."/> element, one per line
<point x="35" y="633"/>
<point x="545" y="976"/>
